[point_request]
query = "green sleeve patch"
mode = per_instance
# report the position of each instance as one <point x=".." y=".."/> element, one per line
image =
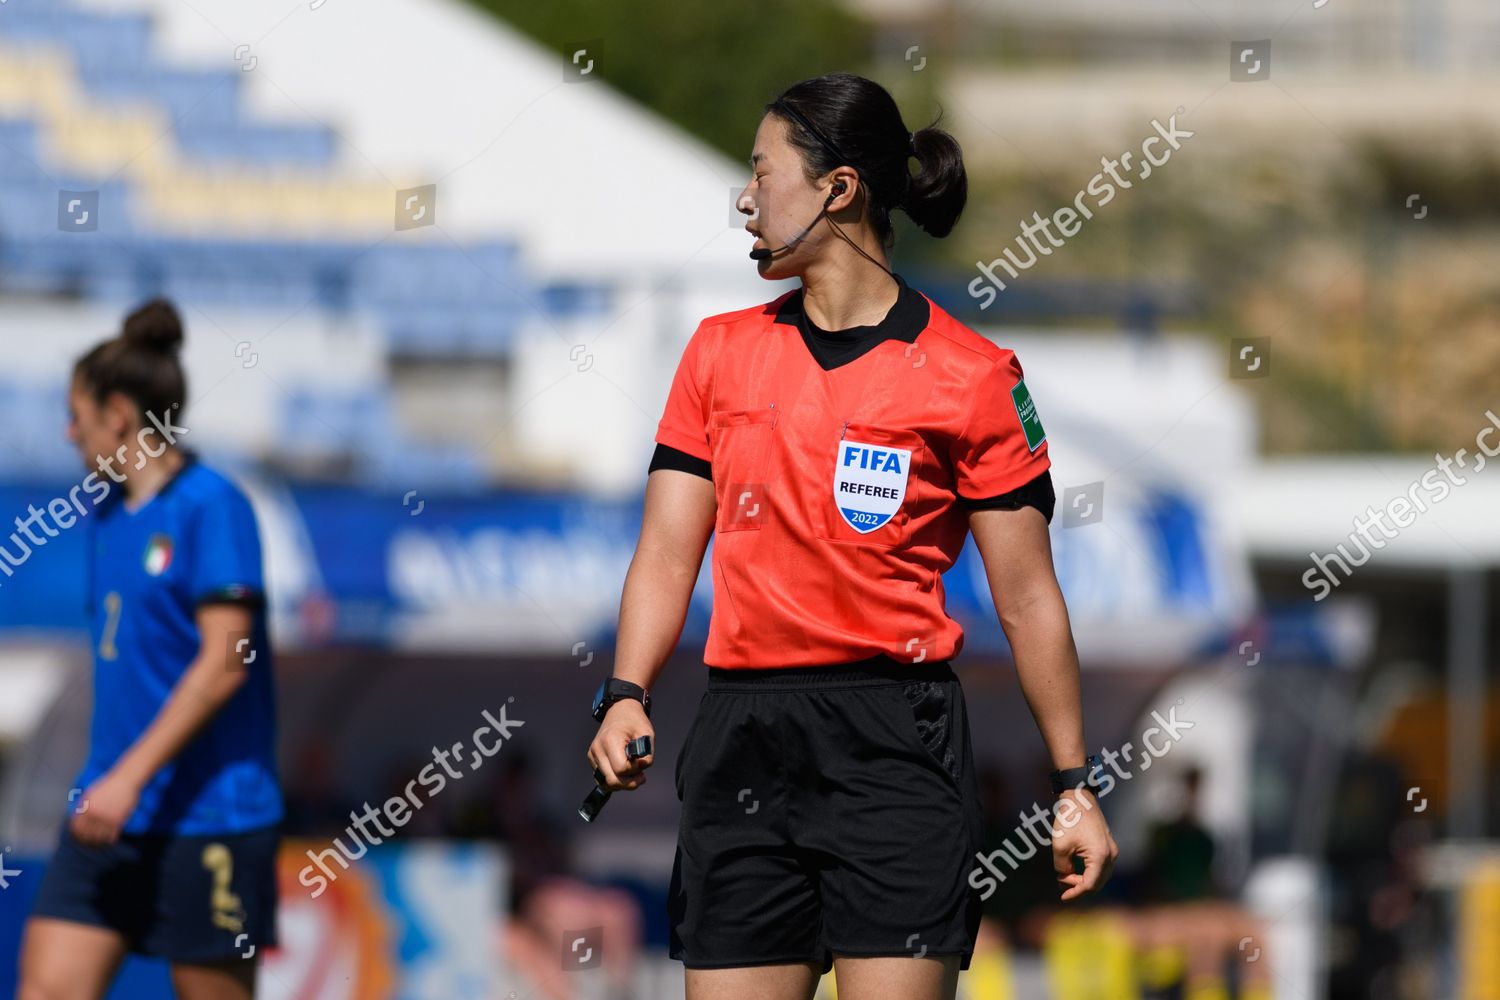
<point x="1026" y="410"/>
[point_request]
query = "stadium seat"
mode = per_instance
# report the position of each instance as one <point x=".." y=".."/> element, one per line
<point x="440" y="300"/>
<point x="202" y="95"/>
<point x="258" y="145"/>
<point x="93" y="38"/>
<point x="230" y="211"/>
<point x="35" y="419"/>
<point x="20" y="155"/>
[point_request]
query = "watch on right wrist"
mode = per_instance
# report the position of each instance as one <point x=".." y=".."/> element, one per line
<point x="612" y="690"/>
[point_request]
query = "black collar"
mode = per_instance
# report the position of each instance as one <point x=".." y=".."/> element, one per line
<point x="906" y="319"/>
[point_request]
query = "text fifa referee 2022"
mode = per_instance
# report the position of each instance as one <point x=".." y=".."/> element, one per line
<point x="842" y="441"/>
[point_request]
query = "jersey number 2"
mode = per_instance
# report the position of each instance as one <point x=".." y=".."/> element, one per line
<point x="224" y="905"/>
<point x="112" y="606"/>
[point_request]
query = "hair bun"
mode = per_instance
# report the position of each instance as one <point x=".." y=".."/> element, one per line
<point x="155" y="326"/>
<point x="935" y="197"/>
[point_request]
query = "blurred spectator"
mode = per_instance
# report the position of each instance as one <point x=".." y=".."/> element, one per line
<point x="314" y="803"/>
<point x="1180" y="852"/>
<point x="549" y="907"/>
<point x="1370" y="899"/>
<point x="1017" y="910"/>
<point x="513" y="813"/>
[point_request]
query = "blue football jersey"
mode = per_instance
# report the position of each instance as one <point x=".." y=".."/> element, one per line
<point x="193" y="543"/>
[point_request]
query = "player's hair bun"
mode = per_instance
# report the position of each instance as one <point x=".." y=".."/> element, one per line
<point x="155" y="326"/>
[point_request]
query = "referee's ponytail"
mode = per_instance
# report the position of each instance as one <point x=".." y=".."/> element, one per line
<point x="937" y="194"/>
<point x="846" y="119"/>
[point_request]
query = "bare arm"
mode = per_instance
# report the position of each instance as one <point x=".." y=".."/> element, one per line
<point x="209" y="681"/>
<point x="1017" y="554"/>
<point x="675" y="528"/>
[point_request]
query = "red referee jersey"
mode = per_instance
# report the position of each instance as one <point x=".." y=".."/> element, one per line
<point x="837" y="489"/>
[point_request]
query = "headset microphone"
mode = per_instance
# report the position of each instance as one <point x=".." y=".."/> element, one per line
<point x="766" y="253"/>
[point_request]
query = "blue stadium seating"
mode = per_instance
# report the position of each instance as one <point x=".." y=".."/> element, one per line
<point x="20" y="154"/>
<point x="34" y="419"/>
<point x="431" y="299"/>
<point x="208" y="96"/>
<point x="361" y="428"/>
<point x="572" y="300"/>
<point x="257" y="145"/>
<point x="94" y="38"/>
<point x="438" y="299"/>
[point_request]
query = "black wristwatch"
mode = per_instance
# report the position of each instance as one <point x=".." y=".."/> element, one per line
<point x="1072" y="777"/>
<point x="613" y="690"/>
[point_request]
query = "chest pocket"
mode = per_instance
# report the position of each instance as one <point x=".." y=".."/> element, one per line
<point x="740" y="442"/>
<point x="866" y="484"/>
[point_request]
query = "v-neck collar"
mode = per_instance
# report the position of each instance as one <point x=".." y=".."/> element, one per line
<point x="189" y="459"/>
<point x="832" y="349"/>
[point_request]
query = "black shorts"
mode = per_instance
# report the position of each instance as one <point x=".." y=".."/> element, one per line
<point x="192" y="899"/>
<point x="826" y="810"/>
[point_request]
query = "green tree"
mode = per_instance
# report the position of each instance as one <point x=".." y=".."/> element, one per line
<point x="710" y="68"/>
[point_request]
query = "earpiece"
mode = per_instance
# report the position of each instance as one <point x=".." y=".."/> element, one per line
<point x="838" y="188"/>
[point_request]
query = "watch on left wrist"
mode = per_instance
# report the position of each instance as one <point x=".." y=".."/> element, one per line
<point x="1073" y="777"/>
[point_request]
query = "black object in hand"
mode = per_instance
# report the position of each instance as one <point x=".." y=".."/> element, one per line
<point x="635" y="750"/>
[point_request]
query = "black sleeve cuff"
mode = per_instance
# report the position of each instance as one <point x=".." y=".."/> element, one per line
<point x="243" y="596"/>
<point x="1038" y="493"/>
<point x="667" y="457"/>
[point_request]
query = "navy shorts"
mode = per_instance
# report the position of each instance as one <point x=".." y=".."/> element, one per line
<point x="193" y="899"/>
<point x="826" y="810"/>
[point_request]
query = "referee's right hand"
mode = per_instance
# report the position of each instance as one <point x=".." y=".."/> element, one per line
<point x="626" y="720"/>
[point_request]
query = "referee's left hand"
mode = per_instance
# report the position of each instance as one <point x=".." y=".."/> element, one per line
<point x="1088" y="838"/>
<point x="100" y="815"/>
<point x="624" y="721"/>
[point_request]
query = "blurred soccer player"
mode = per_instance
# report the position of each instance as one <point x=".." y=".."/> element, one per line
<point x="169" y="845"/>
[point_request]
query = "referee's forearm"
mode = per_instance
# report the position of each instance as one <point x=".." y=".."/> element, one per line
<point x="1017" y="553"/>
<point x="1047" y="668"/>
<point x="653" y="609"/>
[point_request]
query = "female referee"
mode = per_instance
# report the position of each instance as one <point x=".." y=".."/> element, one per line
<point x="169" y="845"/>
<point x="842" y="441"/>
